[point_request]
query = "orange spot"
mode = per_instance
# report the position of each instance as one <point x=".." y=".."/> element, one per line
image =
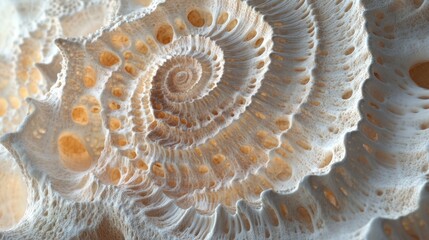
<point x="140" y="164"/>
<point x="252" y="33"/>
<point x="231" y="25"/>
<point x="279" y="169"/>
<point x="218" y="159"/>
<point x="15" y="102"/>
<point x="222" y="18"/>
<point x="117" y="92"/>
<point x="90" y="77"/>
<point x="327" y="160"/>
<point x="158" y="169"/>
<point x="270" y="142"/>
<point x="419" y="73"/>
<point x="73" y="153"/>
<point x="114" y="106"/>
<point x="122" y="141"/>
<point x="283" y="209"/>
<point x="349" y="51"/>
<point x="304" y="144"/>
<point x="329" y="195"/>
<point x="108" y="59"/>
<point x="115" y="175"/>
<point x="128" y="55"/>
<point x="142" y="47"/>
<point x="3" y="106"/>
<point x="130" y="69"/>
<point x="259" y="42"/>
<point x="196" y="18"/>
<point x="347" y="94"/>
<point x="114" y="124"/>
<point x="348" y="7"/>
<point x="283" y="124"/>
<point x="180" y="24"/>
<point x="23" y="92"/>
<point x="246" y="149"/>
<point x="203" y="169"/>
<point x="80" y="115"/>
<point x="120" y="40"/>
<point x="304" y="217"/>
<point x="33" y="88"/>
<point x="165" y="34"/>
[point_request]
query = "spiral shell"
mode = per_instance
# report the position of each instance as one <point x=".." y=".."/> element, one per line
<point x="233" y="119"/>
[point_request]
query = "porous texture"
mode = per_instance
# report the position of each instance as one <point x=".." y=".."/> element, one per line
<point x="226" y="119"/>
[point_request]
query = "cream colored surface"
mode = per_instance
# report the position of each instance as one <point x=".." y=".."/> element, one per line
<point x="216" y="119"/>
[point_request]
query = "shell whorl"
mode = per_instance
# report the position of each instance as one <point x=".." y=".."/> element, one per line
<point x="231" y="119"/>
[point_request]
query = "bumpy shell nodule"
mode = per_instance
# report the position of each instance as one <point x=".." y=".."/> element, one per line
<point x="226" y="119"/>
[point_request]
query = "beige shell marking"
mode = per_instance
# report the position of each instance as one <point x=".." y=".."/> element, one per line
<point x="219" y="119"/>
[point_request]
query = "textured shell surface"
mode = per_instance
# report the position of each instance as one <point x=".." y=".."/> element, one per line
<point x="202" y="119"/>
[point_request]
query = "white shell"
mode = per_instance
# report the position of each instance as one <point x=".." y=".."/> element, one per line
<point x="226" y="119"/>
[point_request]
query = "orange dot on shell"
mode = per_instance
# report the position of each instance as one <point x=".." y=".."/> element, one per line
<point x="279" y="169"/>
<point x="122" y="141"/>
<point x="22" y="75"/>
<point x="250" y="35"/>
<point x="3" y="106"/>
<point x="329" y="195"/>
<point x="165" y="34"/>
<point x="246" y="149"/>
<point x="158" y="169"/>
<point x="89" y="79"/>
<point x="114" y="124"/>
<point x="151" y="42"/>
<point x="140" y="164"/>
<point x="108" y="59"/>
<point x="419" y="73"/>
<point x="131" y="154"/>
<point x="222" y="18"/>
<point x="15" y="102"/>
<point x="114" y="106"/>
<point x="23" y="92"/>
<point x="259" y="42"/>
<point x="73" y="152"/>
<point x="80" y="115"/>
<point x="141" y="47"/>
<point x="270" y="142"/>
<point x="95" y="109"/>
<point x="218" y="158"/>
<point x="33" y="88"/>
<point x="327" y="160"/>
<point x="203" y="169"/>
<point x="130" y="69"/>
<point x="347" y="94"/>
<point x="349" y="51"/>
<point x="35" y="75"/>
<point x="128" y="55"/>
<point x="180" y="24"/>
<point x="305" y="217"/>
<point x="120" y="40"/>
<point x="117" y="92"/>
<point x="283" y="124"/>
<point x="348" y="7"/>
<point x="231" y="25"/>
<point x="196" y="18"/>
<point x="304" y="144"/>
<point x="115" y="175"/>
<point x="283" y="210"/>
